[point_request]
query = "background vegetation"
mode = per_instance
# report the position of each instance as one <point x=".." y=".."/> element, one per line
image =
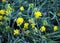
<point x="29" y="21"/>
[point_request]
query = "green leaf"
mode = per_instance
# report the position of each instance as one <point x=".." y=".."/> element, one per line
<point x="20" y="1"/>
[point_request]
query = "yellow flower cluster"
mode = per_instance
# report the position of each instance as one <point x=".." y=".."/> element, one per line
<point x="26" y="25"/>
<point x="33" y="25"/>
<point x="3" y="1"/>
<point x="55" y="28"/>
<point x="42" y="28"/>
<point x="16" y="32"/>
<point x="37" y="14"/>
<point x="21" y="8"/>
<point x="2" y="12"/>
<point x="58" y="14"/>
<point x="20" y="21"/>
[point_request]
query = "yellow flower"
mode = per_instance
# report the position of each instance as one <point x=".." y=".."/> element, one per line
<point x="22" y="8"/>
<point x="3" y="1"/>
<point x="37" y="14"/>
<point x="20" y="21"/>
<point x="58" y="14"/>
<point x="1" y="17"/>
<point x="31" y="5"/>
<point x="42" y="28"/>
<point x="26" y="25"/>
<point x="2" y="12"/>
<point x="16" y="32"/>
<point x="55" y="28"/>
<point x="33" y="25"/>
<point x="7" y="12"/>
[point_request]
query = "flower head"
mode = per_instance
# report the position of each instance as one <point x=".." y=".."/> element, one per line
<point x="37" y="14"/>
<point x="42" y="28"/>
<point x="2" y="12"/>
<point x="22" y="8"/>
<point x="3" y="1"/>
<point x="16" y="32"/>
<point x="33" y="25"/>
<point x="55" y="28"/>
<point x="58" y="14"/>
<point x="20" y="21"/>
<point x="26" y="25"/>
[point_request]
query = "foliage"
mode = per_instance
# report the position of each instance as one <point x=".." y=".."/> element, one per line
<point x="29" y="21"/>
